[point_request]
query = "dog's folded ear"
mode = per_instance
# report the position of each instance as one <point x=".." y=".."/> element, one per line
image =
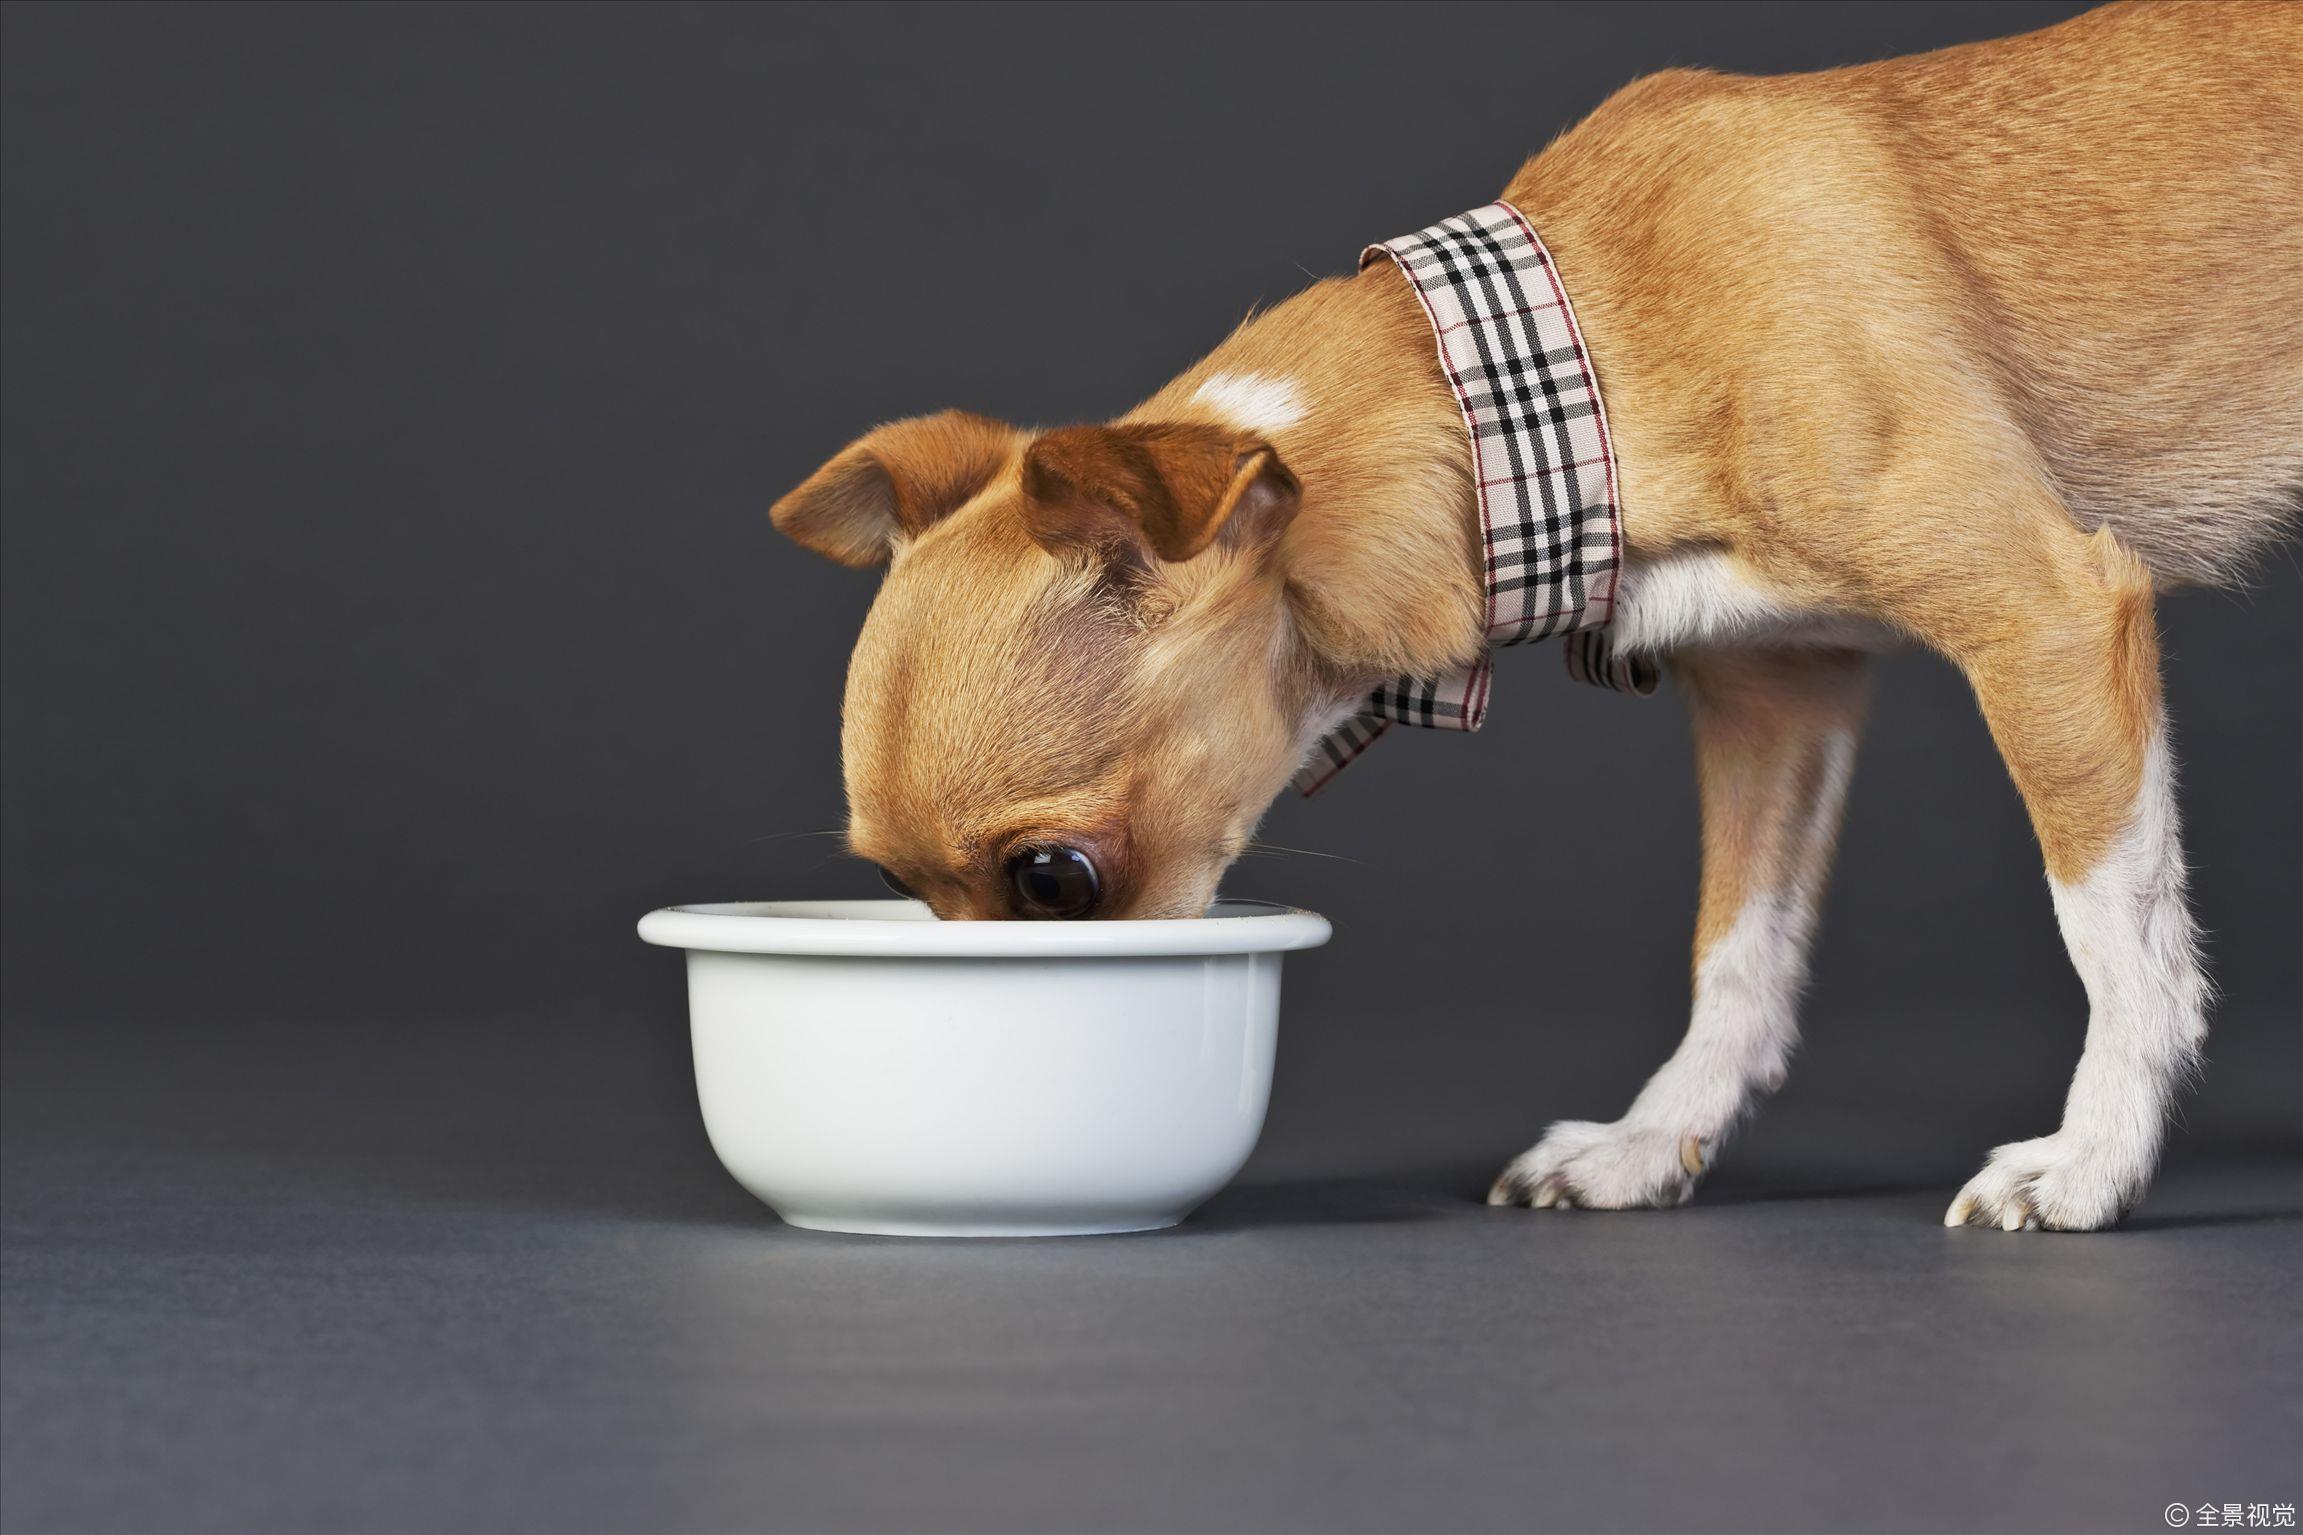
<point x="894" y="482"/>
<point x="1172" y="487"/>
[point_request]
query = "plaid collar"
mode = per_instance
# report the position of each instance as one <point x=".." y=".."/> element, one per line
<point x="1541" y="458"/>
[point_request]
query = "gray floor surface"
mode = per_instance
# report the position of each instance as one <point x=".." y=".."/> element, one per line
<point x="403" y="1306"/>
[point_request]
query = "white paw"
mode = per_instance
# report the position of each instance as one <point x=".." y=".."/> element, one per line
<point x="1604" y="1167"/>
<point x="2053" y="1182"/>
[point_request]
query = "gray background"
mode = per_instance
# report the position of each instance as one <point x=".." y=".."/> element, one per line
<point x="393" y="397"/>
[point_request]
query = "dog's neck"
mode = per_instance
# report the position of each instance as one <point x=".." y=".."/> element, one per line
<point x="1343" y="379"/>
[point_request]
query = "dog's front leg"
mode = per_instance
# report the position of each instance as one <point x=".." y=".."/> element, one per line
<point x="1775" y="735"/>
<point x="2070" y="687"/>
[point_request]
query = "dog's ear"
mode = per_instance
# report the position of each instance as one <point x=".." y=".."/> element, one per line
<point x="1174" y="488"/>
<point x="894" y="482"/>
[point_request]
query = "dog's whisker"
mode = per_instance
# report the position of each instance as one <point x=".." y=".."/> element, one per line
<point x="820" y="863"/>
<point x="1305" y="852"/>
<point x="787" y="836"/>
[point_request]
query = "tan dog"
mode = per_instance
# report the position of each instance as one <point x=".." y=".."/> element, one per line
<point x="1975" y="350"/>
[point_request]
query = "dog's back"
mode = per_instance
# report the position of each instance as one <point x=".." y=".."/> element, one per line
<point x="2094" y="224"/>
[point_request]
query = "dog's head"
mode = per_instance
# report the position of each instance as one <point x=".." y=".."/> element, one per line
<point x="1099" y="652"/>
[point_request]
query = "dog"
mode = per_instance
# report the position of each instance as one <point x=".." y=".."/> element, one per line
<point x="1977" y="350"/>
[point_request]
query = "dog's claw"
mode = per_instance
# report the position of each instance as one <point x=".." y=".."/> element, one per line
<point x="1588" y="1166"/>
<point x="2054" y="1183"/>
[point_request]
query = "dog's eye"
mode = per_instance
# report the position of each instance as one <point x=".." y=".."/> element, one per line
<point x="888" y="878"/>
<point x="1054" y="883"/>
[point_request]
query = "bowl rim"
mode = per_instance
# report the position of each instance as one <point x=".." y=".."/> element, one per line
<point x="874" y="929"/>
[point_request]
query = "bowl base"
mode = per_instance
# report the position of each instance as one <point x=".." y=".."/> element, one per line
<point x="874" y="1226"/>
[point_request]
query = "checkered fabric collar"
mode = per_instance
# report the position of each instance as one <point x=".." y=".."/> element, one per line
<point x="1541" y="459"/>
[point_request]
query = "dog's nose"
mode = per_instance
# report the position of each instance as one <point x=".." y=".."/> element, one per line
<point x="1054" y="883"/>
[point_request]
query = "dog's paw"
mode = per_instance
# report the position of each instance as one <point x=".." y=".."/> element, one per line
<point x="2053" y="1182"/>
<point x="1578" y="1164"/>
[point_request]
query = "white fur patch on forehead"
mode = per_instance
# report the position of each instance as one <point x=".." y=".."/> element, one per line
<point x="1253" y="402"/>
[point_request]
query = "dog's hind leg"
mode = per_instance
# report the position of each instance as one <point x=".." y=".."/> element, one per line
<point x="1775" y="734"/>
<point x="2068" y="679"/>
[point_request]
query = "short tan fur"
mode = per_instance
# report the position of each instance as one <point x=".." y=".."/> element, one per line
<point x="1981" y="348"/>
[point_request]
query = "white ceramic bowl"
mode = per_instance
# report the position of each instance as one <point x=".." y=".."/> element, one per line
<point x="864" y="1067"/>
